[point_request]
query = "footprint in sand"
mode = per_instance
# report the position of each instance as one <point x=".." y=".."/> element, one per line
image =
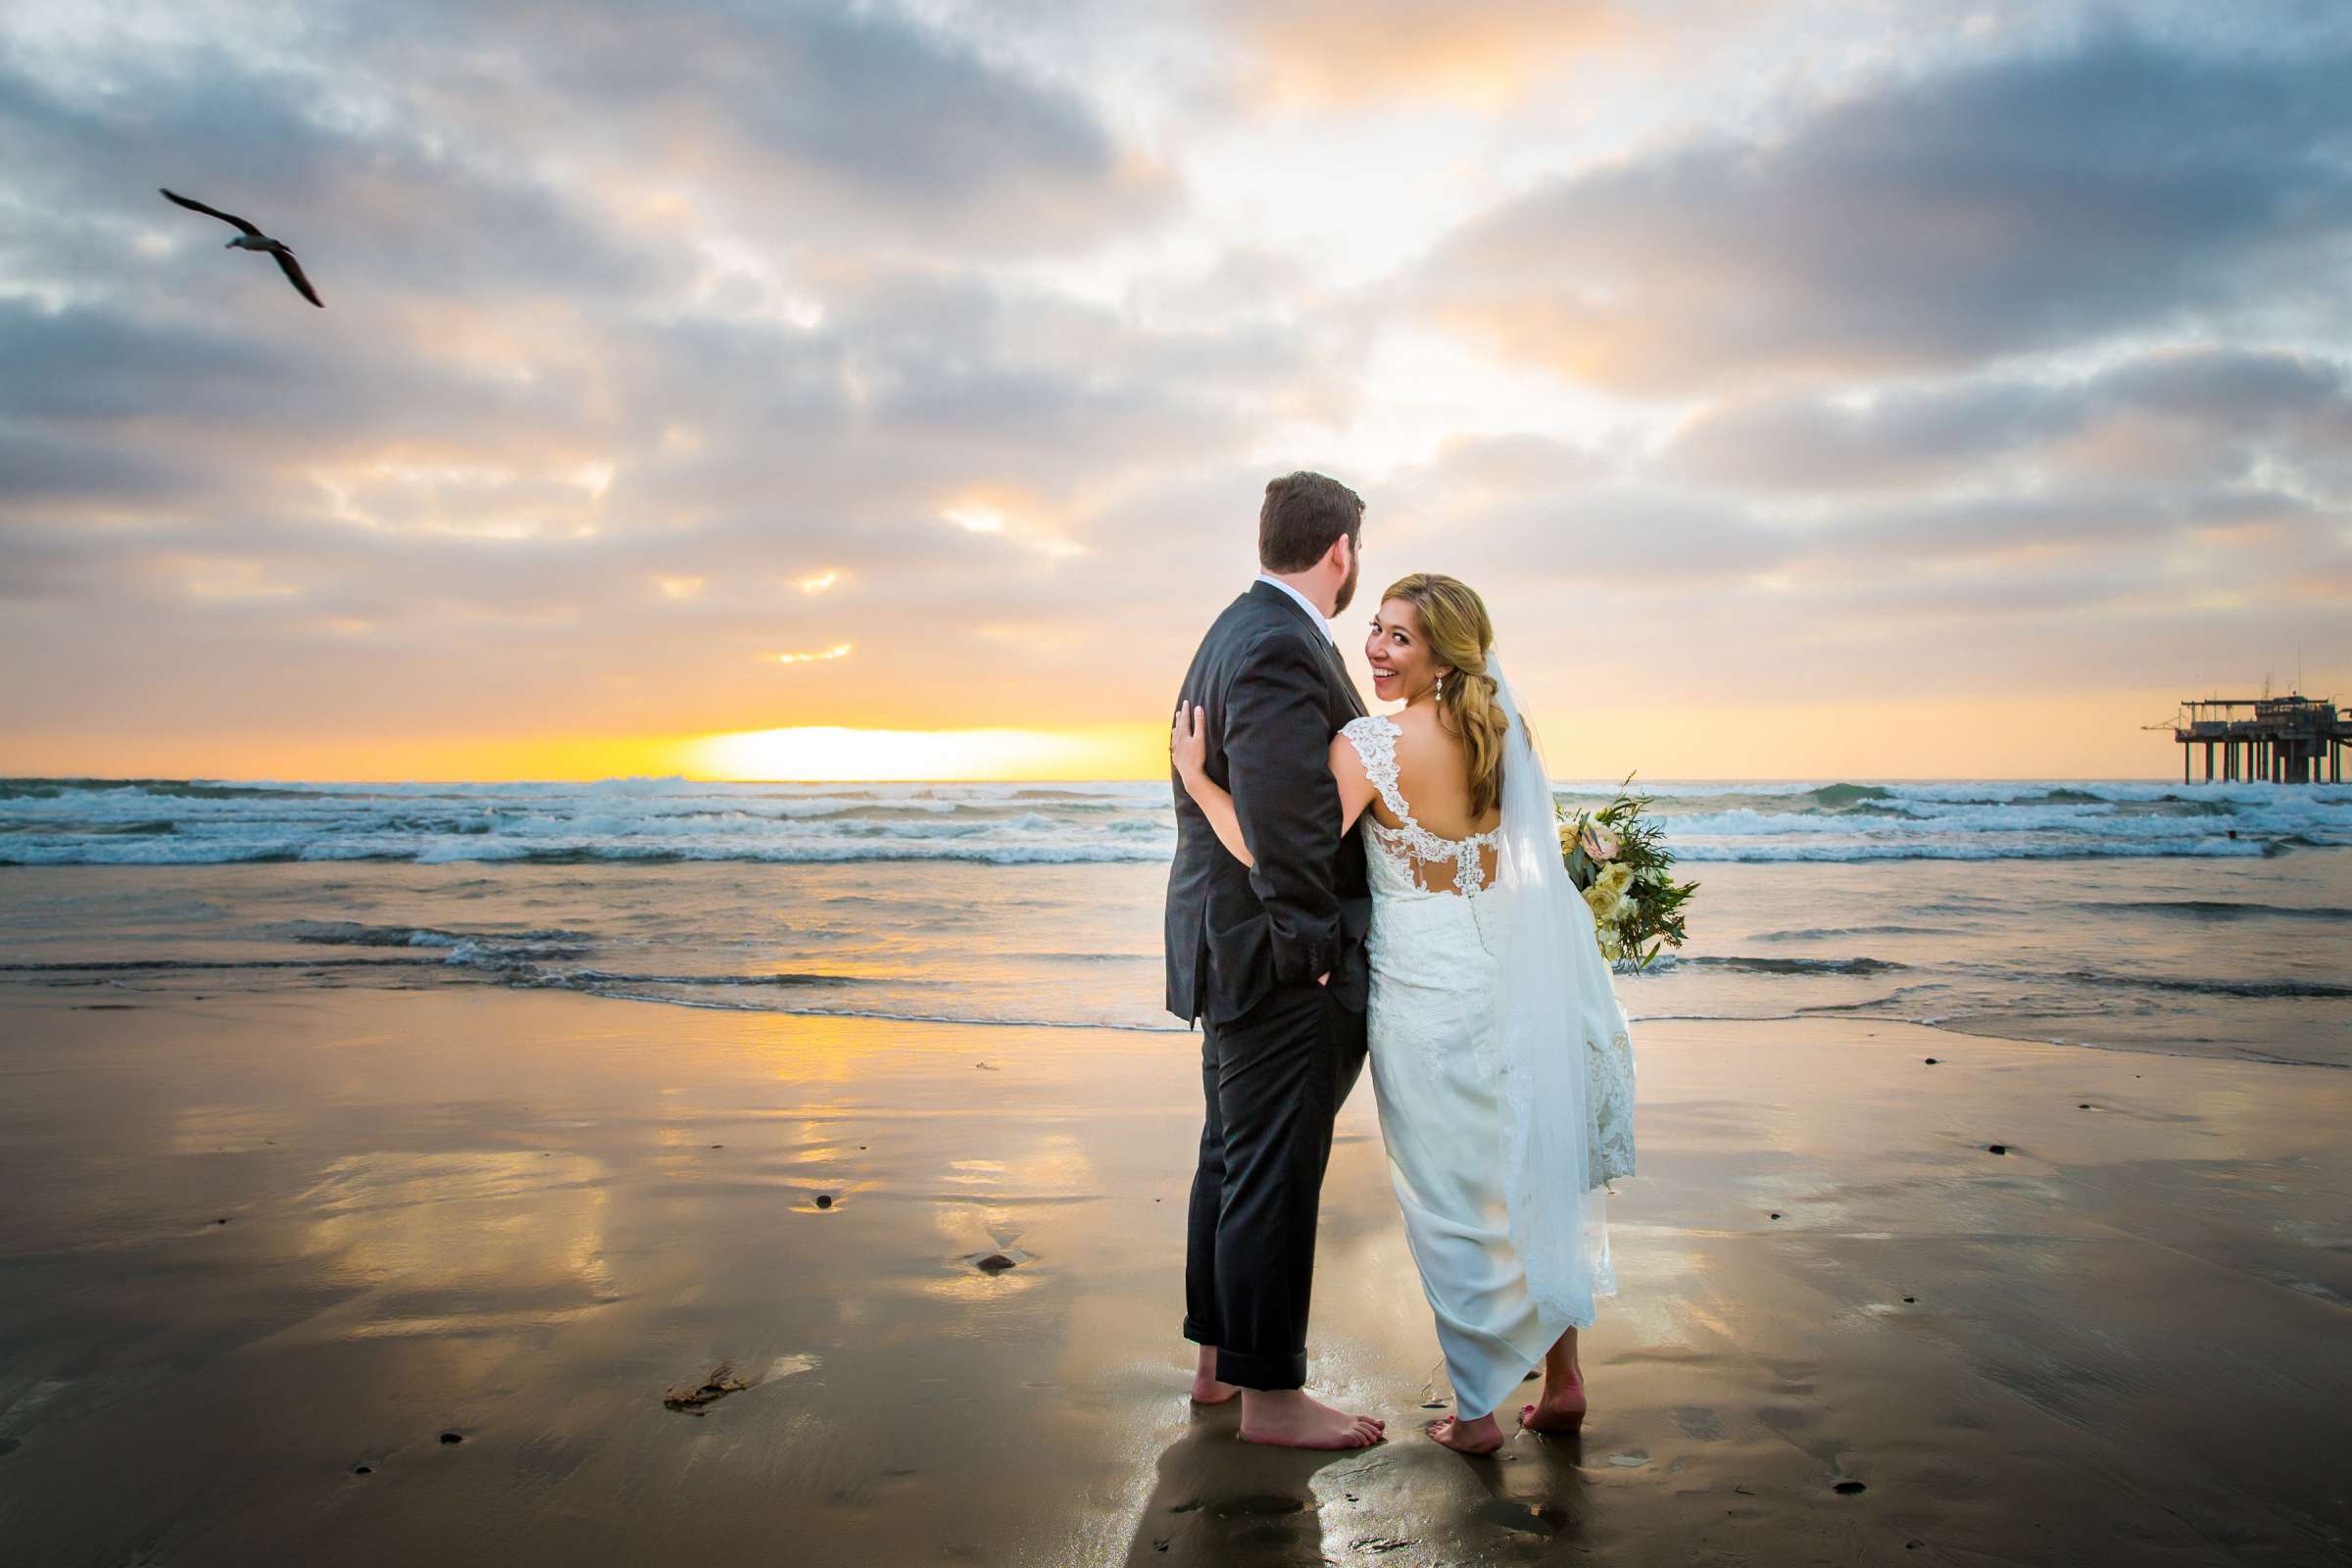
<point x="1699" y="1422"/>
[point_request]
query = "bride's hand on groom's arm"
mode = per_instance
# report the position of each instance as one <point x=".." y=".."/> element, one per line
<point x="1188" y="746"/>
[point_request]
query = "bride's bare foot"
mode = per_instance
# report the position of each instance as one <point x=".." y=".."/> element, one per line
<point x="1206" y="1389"/>
<point x="1476" y="1438"/>
<point x="1286" y="1418"/>
<point x="1559" y="1408"/>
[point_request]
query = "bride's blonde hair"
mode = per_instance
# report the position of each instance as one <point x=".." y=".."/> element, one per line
<point x="1455" y="625"/>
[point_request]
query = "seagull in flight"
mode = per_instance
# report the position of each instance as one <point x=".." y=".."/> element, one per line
<point x="253" y="239"/>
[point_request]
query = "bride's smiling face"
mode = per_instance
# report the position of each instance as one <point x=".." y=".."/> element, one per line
<point x="1402" y="665"/>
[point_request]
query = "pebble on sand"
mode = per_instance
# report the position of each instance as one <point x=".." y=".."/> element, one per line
<point x="993" y="1263"/>
<point x="1910" y="1297"/>
<point x="824" y="1200"/>
<point x="1775" y="1214"/>
<point x="363" y="1469"/>
<point x="1996" y="1148"/>
<point x="452" y="1437"/>
<point x="1931" y="1060"/>
<point x="722" y="1381"/>
<point x="1849" y="1488"/>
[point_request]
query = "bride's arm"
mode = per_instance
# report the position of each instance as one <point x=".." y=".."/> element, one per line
<point x="1190" y="748"/>
<point x="1348" y="771"/>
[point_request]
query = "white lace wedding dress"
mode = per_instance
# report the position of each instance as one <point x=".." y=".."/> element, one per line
<point x="1446" y="1095"/>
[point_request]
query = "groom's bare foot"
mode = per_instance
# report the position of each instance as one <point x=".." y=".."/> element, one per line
<point x="1558" y="1409"/>
<point x="1206" y="1389"/>
<point x="1287" y="1418"/>
<point x="1477" y="1438"/>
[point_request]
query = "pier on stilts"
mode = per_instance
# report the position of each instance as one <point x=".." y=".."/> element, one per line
<point x="2281" y="740"/>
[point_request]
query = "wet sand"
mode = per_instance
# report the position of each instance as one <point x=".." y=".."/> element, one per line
<point x="519" y="1218"/>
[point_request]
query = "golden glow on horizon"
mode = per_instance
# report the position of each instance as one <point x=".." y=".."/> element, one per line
<point x="2092" y="734"/>
<point x="827" y="753"/>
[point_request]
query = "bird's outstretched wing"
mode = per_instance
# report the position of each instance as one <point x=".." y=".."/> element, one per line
<point x="293" y="269"/>
<point x="212" y="212"/>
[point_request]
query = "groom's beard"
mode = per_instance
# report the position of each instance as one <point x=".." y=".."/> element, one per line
<point x="1340" y="601"/>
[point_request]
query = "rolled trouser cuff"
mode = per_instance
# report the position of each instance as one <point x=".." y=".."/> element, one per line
<point x="1266" y="1373"/>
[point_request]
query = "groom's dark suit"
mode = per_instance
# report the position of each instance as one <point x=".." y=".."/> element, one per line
<point x="1244" y="948"/>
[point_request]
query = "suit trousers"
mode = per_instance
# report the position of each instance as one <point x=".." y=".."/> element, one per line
<point x="1273" y="1080"/>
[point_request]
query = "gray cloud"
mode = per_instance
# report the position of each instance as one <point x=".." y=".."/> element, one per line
<point x="2199" y="412"/>
<point x="2002" y="208"/>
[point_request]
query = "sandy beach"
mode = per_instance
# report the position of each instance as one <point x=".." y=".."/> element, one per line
<point x="265" y="1255"/>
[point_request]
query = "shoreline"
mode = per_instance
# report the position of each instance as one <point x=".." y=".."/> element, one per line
<point x="443" y="974"/>
<point x="521" y="1219"/>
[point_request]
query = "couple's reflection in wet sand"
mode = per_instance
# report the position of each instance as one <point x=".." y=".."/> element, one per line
<point x="1220" y="1501"/>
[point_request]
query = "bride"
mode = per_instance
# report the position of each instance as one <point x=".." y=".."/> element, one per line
<point x="1500" y="1057"/>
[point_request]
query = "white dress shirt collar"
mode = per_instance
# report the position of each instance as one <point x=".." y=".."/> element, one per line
<point x="1322" y="623"/>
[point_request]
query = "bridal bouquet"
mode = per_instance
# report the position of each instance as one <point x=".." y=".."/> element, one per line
<point x="1619" y="860"/>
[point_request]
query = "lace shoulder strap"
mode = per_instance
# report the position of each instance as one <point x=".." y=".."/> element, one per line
<point x="1374" y="738"/>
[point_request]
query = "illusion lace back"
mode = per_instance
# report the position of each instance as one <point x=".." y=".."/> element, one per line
<point x="1407" y="858"/>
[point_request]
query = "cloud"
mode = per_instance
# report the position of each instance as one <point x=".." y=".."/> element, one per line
<point x="2001" y="208"/>
<point x="2211" y="413"/>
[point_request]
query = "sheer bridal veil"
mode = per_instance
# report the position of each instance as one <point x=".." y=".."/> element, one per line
<point x="1555" y="1008"/>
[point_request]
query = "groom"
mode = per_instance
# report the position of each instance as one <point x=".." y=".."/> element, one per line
<point x="1271" y="959"/>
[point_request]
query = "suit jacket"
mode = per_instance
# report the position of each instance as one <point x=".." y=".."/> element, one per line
<point x="1272" y="693"/>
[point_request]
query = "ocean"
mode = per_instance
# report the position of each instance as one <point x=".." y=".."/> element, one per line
<point x="2207" y="920"/>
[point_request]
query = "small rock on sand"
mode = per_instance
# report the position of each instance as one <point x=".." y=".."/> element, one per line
<point x="1996" y="1148"/>
<point x="363" y="1469"/>
<point x="1775" y="1214"/>
<point x="1849" y="1488"/>
<point x="1931" y="1062"/>
<point x="993" y="1263"/>
<point x="824" y="1200"/>
<point x="722" y="1381"/>
<point x="984" y="1066"/>
<point x="452" y="1437"/>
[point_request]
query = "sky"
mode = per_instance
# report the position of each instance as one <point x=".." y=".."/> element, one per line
<point x="1831" y="388"/>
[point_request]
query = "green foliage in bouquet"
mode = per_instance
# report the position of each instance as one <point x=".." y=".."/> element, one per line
<point x="1618" y="859"/>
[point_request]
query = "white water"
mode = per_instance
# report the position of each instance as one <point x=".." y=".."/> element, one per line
<point x="177" y="822"/>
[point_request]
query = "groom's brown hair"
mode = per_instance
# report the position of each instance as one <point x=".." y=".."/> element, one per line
<point x="1303" y="513"/>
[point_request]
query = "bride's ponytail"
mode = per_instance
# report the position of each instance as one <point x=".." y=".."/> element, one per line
<point x="1458" y="631"/>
